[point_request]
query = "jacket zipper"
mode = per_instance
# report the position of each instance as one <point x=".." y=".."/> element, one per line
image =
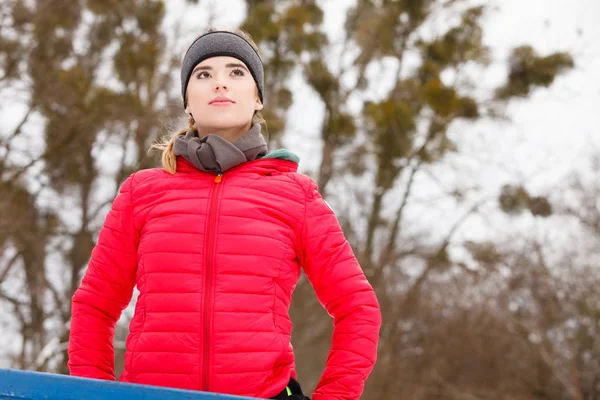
<point x="208" y="279"/>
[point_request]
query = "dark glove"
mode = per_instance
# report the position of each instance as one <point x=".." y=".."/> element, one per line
<point x="291" y="397"/>
<point x="295" y="390"/>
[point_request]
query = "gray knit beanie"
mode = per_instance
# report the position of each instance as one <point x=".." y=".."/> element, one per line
<point x="221" y="43"/>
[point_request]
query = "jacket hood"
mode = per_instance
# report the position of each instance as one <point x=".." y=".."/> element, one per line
<point x="283" y="154"/>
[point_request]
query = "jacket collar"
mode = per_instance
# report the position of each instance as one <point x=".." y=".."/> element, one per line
<point x="263" y="166"/>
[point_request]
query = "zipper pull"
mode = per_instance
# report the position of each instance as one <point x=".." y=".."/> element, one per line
<point x="219" y="177"/>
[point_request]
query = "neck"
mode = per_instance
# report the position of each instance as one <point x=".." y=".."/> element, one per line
<point x="230" y="134"/>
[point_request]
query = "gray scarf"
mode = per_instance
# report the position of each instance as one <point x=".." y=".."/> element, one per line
<point x="213" y="153"/>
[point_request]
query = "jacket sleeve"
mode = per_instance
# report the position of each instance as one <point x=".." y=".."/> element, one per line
<point x="343" y="289"/>
<point x="106" y="289"/>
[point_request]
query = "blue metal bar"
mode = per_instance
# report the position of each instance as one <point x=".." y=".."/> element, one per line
<point x="27" y="385"/>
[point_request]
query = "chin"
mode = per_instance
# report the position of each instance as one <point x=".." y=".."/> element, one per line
<point x="224" y="124"/>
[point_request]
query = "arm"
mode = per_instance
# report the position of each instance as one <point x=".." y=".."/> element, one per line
<point x="105" y="291"/>
<point x="344" y="291"/>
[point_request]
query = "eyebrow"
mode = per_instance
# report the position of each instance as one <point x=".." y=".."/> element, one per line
<point x="209" y="68"/>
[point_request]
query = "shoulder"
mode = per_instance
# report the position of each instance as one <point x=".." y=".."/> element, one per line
<point x="311" y="192"/>
<point x="306" y="183"/>
<point x="144" y="177"/>
<point x="293" y="184"/>
<point x="145" y="174"/>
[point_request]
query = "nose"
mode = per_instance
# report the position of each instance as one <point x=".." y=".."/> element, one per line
<point x="220" y="84"/>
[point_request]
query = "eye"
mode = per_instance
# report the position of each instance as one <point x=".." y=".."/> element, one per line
<point x="238" y="72"/>
<point x="202" y="74"/>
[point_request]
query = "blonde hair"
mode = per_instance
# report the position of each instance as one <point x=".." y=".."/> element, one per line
<point x="165" y="144"/>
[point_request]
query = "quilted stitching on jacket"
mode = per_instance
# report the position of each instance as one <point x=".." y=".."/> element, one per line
<point x="270" y="223"/>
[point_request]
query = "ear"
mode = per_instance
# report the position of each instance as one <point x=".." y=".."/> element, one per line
<point x="258" y="105"/>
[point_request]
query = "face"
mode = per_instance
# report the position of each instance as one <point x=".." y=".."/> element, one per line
<point x="221" y="94"/>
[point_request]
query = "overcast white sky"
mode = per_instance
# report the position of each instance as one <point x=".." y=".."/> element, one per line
<point x="553" y="133"/>
<point x="549" y="136"/>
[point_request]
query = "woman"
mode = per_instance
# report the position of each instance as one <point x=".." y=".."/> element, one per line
<point x="215" y="241"/>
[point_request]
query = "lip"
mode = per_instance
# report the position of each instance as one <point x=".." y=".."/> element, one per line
<point x="221" y="101"/>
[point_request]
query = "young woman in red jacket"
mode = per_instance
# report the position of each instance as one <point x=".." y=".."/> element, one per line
<point x="215" y="241"/>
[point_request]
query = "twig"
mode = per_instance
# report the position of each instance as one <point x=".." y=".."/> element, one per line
<point x="10" y="264"/>
<point x="384" y="259"/>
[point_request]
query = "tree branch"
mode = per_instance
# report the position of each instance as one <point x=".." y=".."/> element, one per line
<point x="12" y="300"/>
<point x="387" y="254"/>
<point x="21" y="170"/>
<point x="6" y="142"/>
<point x="9" y="265"/>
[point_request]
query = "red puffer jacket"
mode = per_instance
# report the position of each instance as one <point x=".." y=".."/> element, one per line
<point x="215" y="260"/>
